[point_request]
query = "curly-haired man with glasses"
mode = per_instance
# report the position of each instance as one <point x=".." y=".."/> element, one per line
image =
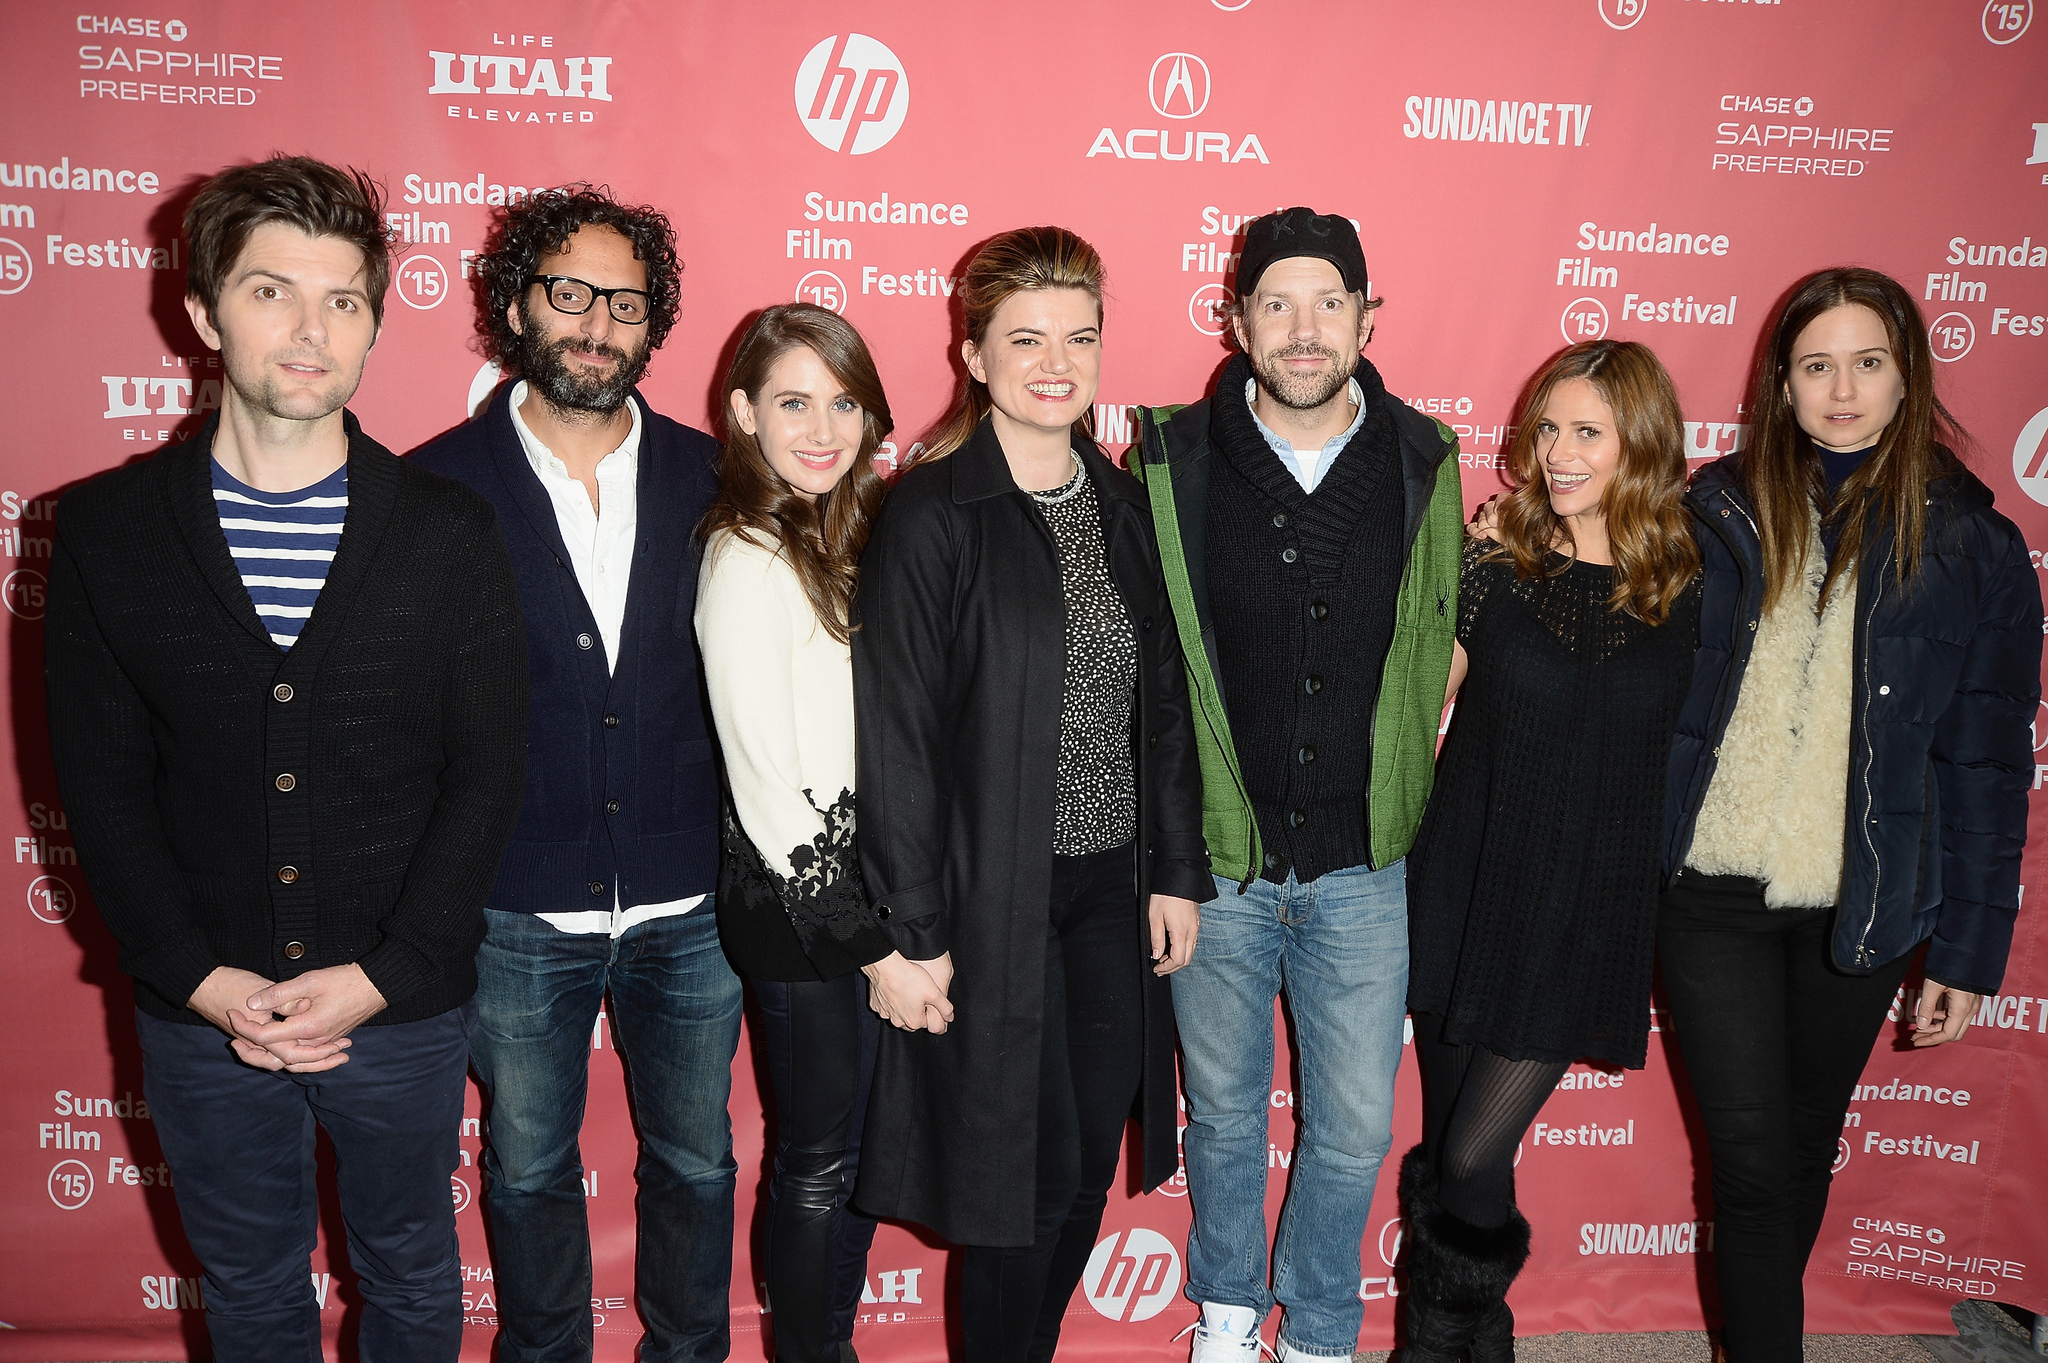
<point x="605" y="887"/>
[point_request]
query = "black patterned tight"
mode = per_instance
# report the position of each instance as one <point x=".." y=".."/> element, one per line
<point x="1475" y="1107"/>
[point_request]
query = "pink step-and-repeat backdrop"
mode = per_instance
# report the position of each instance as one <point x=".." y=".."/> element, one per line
<point x="1524" y="175"/>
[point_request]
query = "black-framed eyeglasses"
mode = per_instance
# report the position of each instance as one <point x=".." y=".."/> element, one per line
<point x="575" y="297"/>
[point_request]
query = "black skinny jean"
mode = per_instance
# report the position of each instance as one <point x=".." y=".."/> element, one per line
<point x="1774" y="1039"/>
<point x="1089" y="1065"/>
<point x="819" y="1038"/>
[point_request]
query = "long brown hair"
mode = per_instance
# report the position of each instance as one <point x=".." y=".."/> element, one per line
<point x="1648" y="528"/>
<point x="822" y="538"/>
<point x="1016" y="262"/>
<point x="1781" y="472"/>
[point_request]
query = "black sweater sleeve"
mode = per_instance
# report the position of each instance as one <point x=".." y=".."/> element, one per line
<point x="439" y="916"/>
<point x="106" y="758"/>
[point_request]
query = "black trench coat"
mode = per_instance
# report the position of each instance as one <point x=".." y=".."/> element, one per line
<point x="958" y="668"/>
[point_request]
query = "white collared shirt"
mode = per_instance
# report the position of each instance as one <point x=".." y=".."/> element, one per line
<point x="1307" y="466"/>
<point x="600" y="542"/>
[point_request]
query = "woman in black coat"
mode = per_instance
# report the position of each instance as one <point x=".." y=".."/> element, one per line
<point x="1849" y="775"/>
<point x="1026" y="753"/>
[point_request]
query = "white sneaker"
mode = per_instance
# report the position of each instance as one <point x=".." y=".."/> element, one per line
<point x="1227" y="1334"/>
<point x="1287" y="1353"/>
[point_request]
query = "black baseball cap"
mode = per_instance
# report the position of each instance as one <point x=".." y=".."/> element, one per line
<point x="1301" y="232"/>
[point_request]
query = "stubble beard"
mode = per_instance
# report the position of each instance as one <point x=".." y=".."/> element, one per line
<point x="266" y="394"/>
<point x="1303" y="392"/>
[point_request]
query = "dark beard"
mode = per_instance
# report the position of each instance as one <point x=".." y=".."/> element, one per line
<point x="1302" y="392"/>
<point x="560" y="387"/>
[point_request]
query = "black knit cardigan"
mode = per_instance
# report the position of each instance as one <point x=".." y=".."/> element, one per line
<point x="399" y="718"/>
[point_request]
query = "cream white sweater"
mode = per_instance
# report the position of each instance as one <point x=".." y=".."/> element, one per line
<point x="781" y="690"/>
<point x="1774" y="810"/>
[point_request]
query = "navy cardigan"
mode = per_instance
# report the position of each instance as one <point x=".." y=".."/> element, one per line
<point x="621" y="779"/>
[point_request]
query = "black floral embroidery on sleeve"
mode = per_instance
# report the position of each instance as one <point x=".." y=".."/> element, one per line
<point x="823" y="892"/>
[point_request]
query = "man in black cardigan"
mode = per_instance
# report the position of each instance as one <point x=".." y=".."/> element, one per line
<point x="604" y="890"/>
<point x="287" y="696"/>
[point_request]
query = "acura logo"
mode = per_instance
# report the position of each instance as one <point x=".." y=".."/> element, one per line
<point x="1179" y="85"/>
<point x="2029" y="458"/>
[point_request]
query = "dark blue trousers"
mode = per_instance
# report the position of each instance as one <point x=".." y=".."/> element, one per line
<point x="239" y="1142"/>
<point x="675" y="1015"/>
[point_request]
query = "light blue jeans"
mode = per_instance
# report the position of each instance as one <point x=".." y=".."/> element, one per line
<point x="1338" y="947"/>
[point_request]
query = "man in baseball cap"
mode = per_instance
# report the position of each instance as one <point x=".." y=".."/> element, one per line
<point x="1311" y="524"/>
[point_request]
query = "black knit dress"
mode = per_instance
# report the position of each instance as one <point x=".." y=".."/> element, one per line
<point x="1532" y="886"/>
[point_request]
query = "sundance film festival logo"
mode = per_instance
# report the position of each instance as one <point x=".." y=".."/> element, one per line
<point x="70" y="1185"/>
<point x="1584" y="319"/>
<point x="51" y="898"/>
<point x="1208" y="308"/>
<point x="23" y="591"/>
<point x="2007" y="21"/>
<point x="1179" y="85"/>
<point x="852" y="94"/>
<point x="421" y="280"/>
<point x="1622" y="13"/>
<point x="1132" y="1275"/>
<point x="17" y="266"/>
<point x="1951" y="336"/>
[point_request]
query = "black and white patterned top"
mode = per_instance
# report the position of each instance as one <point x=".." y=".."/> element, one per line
<point x="1097" y="804"/>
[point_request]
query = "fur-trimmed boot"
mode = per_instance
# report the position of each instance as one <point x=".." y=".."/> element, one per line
<point x="1458" y="1276"/>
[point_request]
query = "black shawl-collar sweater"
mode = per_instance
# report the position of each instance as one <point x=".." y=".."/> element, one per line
<point x="1302" y="586"/>
<point x="235" y="804"/>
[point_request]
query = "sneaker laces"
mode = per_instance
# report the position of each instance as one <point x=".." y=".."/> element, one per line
<point x="1265" y="1349"/>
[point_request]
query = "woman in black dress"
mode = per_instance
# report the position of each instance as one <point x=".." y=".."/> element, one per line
<point x="1533" y="882"/>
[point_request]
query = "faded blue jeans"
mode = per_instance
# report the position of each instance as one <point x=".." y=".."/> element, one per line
<point x="675" y="1018"/>
<point x="1338" y="948"/>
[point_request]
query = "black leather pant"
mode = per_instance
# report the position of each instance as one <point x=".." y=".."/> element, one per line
<point x="819" y="1038"/>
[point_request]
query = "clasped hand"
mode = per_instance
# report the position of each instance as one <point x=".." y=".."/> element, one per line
<point x="301" y="1024"/>
<point x="911" y="994"/>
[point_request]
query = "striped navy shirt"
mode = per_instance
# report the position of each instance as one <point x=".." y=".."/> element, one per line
<point x="282" y="543"/>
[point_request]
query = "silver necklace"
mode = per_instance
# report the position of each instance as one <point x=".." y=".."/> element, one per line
<point x="1065" y="490"/>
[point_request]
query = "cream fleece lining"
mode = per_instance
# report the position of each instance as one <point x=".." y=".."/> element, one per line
<point x="1775" y="807"/>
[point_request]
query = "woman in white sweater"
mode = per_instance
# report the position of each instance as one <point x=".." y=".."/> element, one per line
<point x="797" y="494"/>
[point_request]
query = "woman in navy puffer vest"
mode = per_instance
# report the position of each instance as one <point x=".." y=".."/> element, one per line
<point x="1850" y="773"/>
